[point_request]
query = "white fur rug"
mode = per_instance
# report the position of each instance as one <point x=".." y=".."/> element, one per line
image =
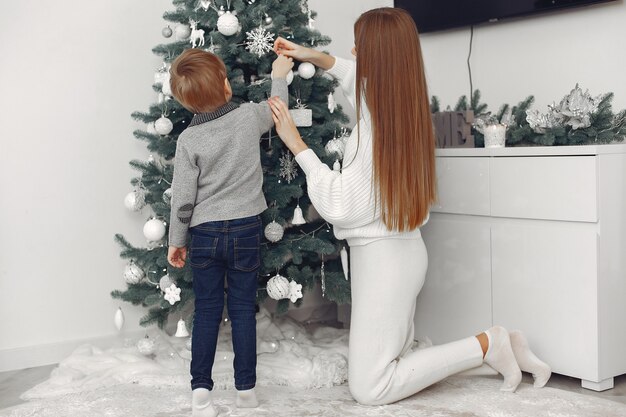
<point x="298" y="374"/>
<point x="454" y="397"/>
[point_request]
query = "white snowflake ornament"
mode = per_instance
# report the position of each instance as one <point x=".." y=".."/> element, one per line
<point x="288" y="167"/>
<point x="259" y="41"/>
<point x="295" y="291"/>
<point x="172" y="294"/>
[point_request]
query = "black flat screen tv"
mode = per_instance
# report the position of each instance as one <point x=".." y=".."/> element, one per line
<point x="437" y="15"/>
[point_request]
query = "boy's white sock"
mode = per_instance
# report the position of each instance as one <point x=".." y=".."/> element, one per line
<point x="527" y="360"/>
<point x="501" y="358"/>
<point x="201" y="404"/>
<point x="247" y="399"/>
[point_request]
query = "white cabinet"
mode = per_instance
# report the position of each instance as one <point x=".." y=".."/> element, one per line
<point x="532" y="239"/>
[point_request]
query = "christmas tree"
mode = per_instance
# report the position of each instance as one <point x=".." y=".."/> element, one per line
<point x="300" y="248"/>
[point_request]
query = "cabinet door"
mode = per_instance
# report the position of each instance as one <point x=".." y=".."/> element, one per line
<point x="545" y="284"/>
<point x="462" y="186"/>
<point x="551" y="188"/>
<point x="456" y="299"/>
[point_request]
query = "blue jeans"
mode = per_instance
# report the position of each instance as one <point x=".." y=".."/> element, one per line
<point x="225" y="249"/>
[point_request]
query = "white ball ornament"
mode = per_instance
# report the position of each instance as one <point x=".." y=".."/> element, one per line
<point x="146" y="346"/>
<point x="306" y="70"/>
<point x="228" y="24"/>
<point x="274" y="232"/>
<point x="167" y="32"/>
<point x="154" y="230"/>
<point x="163" y="125"/>
<point x="278" y="287"/>
<point x="182" y="32"/>
<point x="289" y="77"/>
<point x="133" y="274"/>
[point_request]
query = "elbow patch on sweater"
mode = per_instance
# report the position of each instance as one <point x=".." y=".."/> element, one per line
<point x="184" y="213"/>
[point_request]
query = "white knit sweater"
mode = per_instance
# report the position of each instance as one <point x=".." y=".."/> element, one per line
<point x="346" y="199"/>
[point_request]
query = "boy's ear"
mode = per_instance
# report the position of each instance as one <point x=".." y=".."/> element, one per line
<point x="228" y="91"/>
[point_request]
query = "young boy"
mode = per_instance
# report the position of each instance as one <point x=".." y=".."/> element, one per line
<point x="217" y="196"/>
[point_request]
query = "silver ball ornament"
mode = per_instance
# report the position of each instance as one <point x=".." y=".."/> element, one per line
<point x="154" y="230"/>
<point x="167" y="196"/>
<point x="165" y="282"/>
<point x="182" y="32"/>
<point x="167" y="32"/>
<point x="133" y="274"/>
<point x="228" y="24"/>
<point x="306" y="70"/>
<point x="274" y="232"/>
<point x="135" y="200"/>
<point x="163" y="125"/>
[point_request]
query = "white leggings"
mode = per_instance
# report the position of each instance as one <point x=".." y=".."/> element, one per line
<point x="387" y="275"/>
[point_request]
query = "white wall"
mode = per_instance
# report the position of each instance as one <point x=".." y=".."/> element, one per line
<point x="544" y="56"/>
<point x="73" y="72"/>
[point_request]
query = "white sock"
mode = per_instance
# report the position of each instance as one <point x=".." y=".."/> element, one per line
<point x="527" y="360"/>
<point x="501" y="358"/>
<point x="201" y="404"/>
<point x="247" y="399"/>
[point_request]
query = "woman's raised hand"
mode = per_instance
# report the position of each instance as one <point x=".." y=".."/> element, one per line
<point x="284" y="47"/>
<point x="285" y="126"/>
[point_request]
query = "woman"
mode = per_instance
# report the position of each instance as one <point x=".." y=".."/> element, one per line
<point x="378" y="202"/>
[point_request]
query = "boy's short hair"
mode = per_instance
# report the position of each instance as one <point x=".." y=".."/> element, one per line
<point x="197" y="80"/>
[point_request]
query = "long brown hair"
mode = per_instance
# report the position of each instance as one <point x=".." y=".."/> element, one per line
<point x="390" y="75"/>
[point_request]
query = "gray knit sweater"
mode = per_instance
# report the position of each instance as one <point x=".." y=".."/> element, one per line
<point x="217" y="168"/>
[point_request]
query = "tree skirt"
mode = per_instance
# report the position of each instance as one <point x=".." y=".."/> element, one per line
<point x="299" y="374"/>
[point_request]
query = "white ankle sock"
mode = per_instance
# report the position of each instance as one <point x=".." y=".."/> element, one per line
<point x="527" y="360"/>
<point x="501" y="358"/>
<point x="247" y="399"/>
<point x="201" y="404"/>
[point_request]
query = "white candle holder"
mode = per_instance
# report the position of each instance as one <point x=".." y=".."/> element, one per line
<point x="495" y="136"/>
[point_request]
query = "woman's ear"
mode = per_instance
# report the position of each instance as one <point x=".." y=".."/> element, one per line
<point x="228" y="91"/>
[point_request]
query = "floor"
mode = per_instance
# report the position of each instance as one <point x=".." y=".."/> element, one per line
<point x="13" y="383"/>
